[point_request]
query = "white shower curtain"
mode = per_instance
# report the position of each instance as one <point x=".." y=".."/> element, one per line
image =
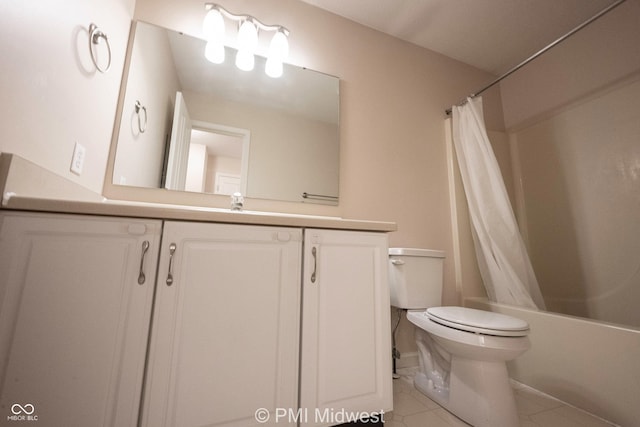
<point x="502" y="257"/>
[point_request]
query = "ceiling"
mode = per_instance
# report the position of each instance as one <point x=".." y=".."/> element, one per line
<point x="492" y="35"/>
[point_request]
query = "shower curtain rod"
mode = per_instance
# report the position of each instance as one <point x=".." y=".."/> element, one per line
<point x="540" y="52"/>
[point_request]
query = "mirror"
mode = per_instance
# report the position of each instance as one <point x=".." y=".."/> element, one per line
<point x="190" y="125"/>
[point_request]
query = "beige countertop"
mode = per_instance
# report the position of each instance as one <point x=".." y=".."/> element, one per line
<point x="189" y="213"/>
<point x="28" y="187"/>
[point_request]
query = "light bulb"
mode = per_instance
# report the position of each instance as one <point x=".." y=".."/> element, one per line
<point x="247" y="36"/>
<point x="214" y="52"/>
<point x="278" y="51"/>
<point x="245" y="60"/>
<point x="279" y="47"/>
<point x="247" y="41"/>
<point x="273" y="68"/>
<point x="213" y="25"/>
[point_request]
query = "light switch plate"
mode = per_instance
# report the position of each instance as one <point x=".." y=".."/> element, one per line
<point x="77" y="161"/>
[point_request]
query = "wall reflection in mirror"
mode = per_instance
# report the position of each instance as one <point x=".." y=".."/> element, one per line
<point x="191" y="125"/>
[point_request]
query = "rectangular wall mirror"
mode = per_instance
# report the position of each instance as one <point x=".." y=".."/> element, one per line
<point x="190" y="125"/>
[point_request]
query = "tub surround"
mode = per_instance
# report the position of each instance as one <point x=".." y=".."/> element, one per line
<point x="591" y="365"/>
<point x="27" y="186"/>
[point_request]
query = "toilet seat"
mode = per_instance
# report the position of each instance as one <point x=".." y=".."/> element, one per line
<point x="478" y="321"/>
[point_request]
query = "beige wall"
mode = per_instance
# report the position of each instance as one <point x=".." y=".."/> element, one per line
<point x="276" y="156"/>
<point x="140" y="155"/>
<point x="52" y="95"/>
<point x="602" y="53"/>
<point x="220" y="164"/>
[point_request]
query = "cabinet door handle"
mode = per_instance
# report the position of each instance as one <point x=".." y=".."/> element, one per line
<point x="314" y="252"/>
<point x="141" y="276"/>
<point x="172" y="251"/>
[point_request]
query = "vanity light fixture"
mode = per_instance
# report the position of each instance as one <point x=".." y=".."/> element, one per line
<point x="248" y="30"/>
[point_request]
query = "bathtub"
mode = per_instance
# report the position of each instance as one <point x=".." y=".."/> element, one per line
<point x="588" y="364"/>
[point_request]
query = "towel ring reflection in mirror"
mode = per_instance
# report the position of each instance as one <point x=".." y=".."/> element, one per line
<point x="142" y="125"/>
<point x="95" y="34"/>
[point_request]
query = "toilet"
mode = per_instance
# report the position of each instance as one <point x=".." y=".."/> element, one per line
<point x="462" y="351"/>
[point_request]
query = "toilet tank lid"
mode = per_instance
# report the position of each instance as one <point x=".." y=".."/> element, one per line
<point x="416" y="252"/>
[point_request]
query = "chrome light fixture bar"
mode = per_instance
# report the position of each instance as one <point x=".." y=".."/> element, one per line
<point x="248" y="28"/>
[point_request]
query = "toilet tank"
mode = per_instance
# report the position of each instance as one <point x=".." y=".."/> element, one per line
<point x="415" y="277"/>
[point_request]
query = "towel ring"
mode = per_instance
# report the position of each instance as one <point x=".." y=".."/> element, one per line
<point x="142" y="127"/>
<point x="94" y="38"/>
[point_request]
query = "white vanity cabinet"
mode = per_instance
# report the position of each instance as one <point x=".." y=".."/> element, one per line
<point x="75" y="302"/>
<point x="345" y="349"/>
<point x="225" y="336"/>
<point x="244" y="328"/>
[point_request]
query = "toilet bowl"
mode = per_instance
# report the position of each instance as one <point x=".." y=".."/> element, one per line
<point x="463" y="369"/>
<point x="462" y="351"/>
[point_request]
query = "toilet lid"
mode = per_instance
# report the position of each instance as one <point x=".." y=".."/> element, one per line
<point x="479" y="321"/>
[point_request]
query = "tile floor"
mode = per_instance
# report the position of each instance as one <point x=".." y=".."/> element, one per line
<point x="413" y="409"/>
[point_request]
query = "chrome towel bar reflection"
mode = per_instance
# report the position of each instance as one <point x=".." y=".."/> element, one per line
<point x="306" y="195"/>
<point x="141" y="127"/>
<point x="95" y="34"/>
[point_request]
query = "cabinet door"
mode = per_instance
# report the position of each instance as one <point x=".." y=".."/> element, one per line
<point x="74" y="317"/>
<point x="226" y="325"/>
<point x="346" y="351"/>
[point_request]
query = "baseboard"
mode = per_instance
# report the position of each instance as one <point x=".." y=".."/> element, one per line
<point x="407" y="360"/>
